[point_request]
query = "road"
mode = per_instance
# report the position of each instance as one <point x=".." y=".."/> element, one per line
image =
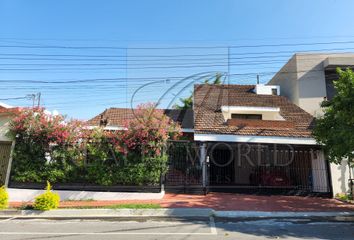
<point x="193" y="229"/>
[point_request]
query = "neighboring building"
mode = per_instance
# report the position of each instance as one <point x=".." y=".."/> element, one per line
<point x="307" y="79"/>
<point x="6" y="114"/>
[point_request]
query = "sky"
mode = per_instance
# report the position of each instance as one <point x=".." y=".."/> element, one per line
<point x="84" y="56"/>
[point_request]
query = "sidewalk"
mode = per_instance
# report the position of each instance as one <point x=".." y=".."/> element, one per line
<point x="228" y="202"/>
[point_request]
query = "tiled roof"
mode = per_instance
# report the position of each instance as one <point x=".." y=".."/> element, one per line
<point x="183" y="117"/>
<point x="118" y="116"/>
<point x="208" y="100"/>
<point x="12" y="110"/>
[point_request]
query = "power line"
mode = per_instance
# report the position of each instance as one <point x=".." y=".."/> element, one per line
<point x="175" y="55"/>
<point x="12" y="98"/>
<point x="137" y="68"/>
<point x="175" y="47"/>
<point x="174" y="78"/>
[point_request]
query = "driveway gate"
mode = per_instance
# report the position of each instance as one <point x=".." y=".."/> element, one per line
<point x="266" y="168"/>
<point x="250" y="168"/>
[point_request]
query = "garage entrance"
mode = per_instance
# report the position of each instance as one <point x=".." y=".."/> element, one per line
<point x="286" y="169"/>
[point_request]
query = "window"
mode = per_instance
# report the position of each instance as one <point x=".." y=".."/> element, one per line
<point x="274" y="91"/>
<point x="246" y="116"/>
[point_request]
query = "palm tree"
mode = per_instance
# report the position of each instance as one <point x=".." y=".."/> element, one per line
<point x="187" y="103"/>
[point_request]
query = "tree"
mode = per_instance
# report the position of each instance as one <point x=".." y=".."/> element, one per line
<point x="217" y="79"/>
<point x="335" y="130"/>
<point x="187" y="103"/>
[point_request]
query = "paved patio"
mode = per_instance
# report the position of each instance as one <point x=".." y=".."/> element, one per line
<point x="228" y="201"/>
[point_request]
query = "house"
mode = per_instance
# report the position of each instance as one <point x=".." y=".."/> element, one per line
<point x="114" y="119"/>
<point x="306" y="80"/>
<point x="248" y="138"/>
<point x="6" y="114"/>
<point x="253" y="139"/>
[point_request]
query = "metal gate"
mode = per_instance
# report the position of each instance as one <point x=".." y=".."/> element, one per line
<point x="249" y="168"/>
<point x="256" y="168"/>
<point x="184" y="168"/>
<point x="5" y="151"/>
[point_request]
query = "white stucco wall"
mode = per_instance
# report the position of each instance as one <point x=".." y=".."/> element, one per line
<point x="340" y="176"/>
<point x="268" y="113"/>
<point x="4" y="126"/>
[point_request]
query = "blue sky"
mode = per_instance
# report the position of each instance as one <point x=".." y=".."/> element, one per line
<point x="99" y="72"/>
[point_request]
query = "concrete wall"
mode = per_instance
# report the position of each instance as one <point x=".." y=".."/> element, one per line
<point x="312" y="82"/>
<point x="302" y="79"/>
<point x="286" y="78"/>
<point x="340" y="176"/>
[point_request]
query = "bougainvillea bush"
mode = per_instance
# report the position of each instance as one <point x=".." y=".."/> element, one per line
<point x="46" y="146"/>
<point x="51" y="148"/>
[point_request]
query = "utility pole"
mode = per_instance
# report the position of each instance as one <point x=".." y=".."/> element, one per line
<point x="257" y="79"/>
<point x="31" y="97"/>
<point x="228" y="65"/>
<point x="39" y="99"/>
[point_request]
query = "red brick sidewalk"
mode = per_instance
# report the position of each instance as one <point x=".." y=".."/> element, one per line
<point x="227" y="201"/>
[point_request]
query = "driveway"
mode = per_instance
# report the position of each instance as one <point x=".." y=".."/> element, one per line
<point x="229" y="201"/>
<point x="246" y="202"/>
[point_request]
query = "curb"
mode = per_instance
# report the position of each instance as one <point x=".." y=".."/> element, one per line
<point x="108" y="213"/>
<point x="163" y="212"/>
<point x="260" y="214"/>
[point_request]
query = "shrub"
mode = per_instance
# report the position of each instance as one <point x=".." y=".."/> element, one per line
<point x="4" y="198"/>
<point x="343" y="196"/>
<point x="47" y="200"/>
<point x="49" y="148"/>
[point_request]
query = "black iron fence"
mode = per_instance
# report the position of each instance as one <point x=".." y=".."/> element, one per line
<point x="267" y="168"/>
<point x="239" y="167"/>
<point x="184" y="167"/>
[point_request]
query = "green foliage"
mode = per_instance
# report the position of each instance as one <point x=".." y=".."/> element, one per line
<point x="133" y="157"/>
<point x="335" y="129"/>
<point x="187" y="103"/>
<point x="217" y="79"/>
<point x="4" y="198"/>
<point x="47" y="200"/>
<point x="344" y="196"/>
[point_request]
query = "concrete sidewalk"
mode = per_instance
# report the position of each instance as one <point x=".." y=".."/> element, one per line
<point x="216" y="201"/>
<point x="163" y="212"/>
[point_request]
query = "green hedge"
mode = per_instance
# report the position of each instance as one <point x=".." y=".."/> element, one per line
<point x="99" y="166"/>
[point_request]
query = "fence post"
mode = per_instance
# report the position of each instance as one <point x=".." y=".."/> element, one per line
<point x="8" y="172"/>
<point x="204" y="165"/>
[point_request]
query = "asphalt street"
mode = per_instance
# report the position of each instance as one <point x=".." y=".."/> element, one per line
<point x="156" y="229"/>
